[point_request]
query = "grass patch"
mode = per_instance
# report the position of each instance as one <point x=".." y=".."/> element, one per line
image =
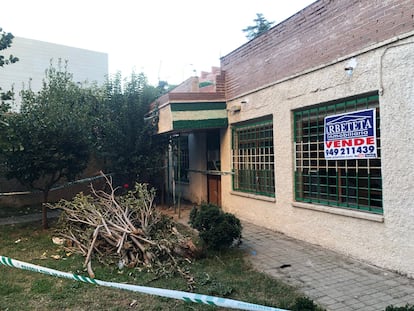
<point x="7" y="288"/>
<point x="225" y="274"/>
<point x="42" y="286"/>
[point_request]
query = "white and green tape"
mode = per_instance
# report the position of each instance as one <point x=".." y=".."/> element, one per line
<point x="175" y="294"/>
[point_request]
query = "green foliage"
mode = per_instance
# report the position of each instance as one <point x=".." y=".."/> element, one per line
<point x="163" y="87"/>
<point x="217" y="229"/>
<point x="47" y="141"/>
<point x="6" y="40"/>
<point x="122" y="137"/>
<point x="407" y="307"/>
<point x="304" y="304"/>
<point x="262" y="25"/>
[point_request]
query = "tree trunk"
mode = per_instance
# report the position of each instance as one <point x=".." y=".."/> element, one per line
<point x="45" y="223"/>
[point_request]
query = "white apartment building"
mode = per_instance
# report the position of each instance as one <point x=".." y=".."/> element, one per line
<point x="37" y="56"/>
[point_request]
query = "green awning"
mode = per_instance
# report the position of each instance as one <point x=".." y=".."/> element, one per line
<point x="198" y="115"/>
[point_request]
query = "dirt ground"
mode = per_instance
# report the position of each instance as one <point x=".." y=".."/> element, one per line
<point x="180" y="215"/>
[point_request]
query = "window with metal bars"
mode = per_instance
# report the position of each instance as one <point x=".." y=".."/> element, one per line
<point x="354" y="184"/>
<point x="181" y="159"/>
<point x="253" y="158"/>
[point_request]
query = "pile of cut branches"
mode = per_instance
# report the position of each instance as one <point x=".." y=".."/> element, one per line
<point x="127" y="230"/>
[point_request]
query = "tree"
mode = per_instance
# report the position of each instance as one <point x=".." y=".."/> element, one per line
<point x="48" y="140"/>
<point x="262" y="25"/>
<point x="123" y="140"/>
<point x="6" y="40"/>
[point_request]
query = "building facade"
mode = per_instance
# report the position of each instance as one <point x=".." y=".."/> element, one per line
<point x="318" y="140"/>
<point x="36" y="56"/>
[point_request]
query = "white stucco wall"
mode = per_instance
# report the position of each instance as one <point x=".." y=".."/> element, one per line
<point x="35" y="57"/>
<point x="387" y="240"/>
<point x="195" y="189"/>
<point x="197" y="193"/>
<point x="165" y="119"/>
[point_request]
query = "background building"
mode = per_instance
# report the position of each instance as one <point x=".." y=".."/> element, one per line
<point x="37" y="56"/>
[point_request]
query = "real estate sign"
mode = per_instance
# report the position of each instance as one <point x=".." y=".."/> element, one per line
<point x="350" y="135"/>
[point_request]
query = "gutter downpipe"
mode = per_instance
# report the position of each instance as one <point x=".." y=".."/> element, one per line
<point x="179" y="176"/>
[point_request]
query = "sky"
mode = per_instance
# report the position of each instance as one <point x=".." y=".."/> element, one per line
<point x="167" y="40"/>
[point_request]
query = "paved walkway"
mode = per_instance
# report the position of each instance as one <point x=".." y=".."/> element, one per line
<point x="333" y="281"/>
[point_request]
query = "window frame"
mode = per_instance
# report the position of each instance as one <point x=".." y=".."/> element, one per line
<point x="181" y="169"/>
<point x="352" y="184"/>
<point x="253" y="159"/>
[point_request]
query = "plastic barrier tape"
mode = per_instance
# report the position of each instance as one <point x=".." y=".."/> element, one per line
<point x="188" y="297"/>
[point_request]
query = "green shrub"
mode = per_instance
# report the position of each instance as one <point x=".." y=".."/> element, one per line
<point x="217" y="229"/>
<point x="304" y="304"/>
<point x="407" y="307"/>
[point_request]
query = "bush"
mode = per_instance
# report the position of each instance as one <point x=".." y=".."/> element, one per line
<point x="217" y="229"/>
<point x="304" y="304"/>
<point x="404" y="308"/>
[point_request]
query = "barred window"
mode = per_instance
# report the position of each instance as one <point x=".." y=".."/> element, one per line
<point x="181" y="159"/>
<point x="253" y="158"/>
<point x="354" y="184"/>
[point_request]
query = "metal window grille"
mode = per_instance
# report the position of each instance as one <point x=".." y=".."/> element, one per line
<point x="181" y="159"/>
<point x="253" y="158"/>
<point x="354" y="184"/>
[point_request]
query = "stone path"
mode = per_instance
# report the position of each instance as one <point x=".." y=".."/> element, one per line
<point x="333" y="281"/>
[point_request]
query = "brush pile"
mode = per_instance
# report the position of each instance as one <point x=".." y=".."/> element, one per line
<point x="127" y="230"/>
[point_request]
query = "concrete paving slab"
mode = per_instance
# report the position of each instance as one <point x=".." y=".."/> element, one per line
<point x="334" y="281"/>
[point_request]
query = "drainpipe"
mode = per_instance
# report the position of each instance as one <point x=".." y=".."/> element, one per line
<point x="171" y="157"/>
<point x="179" y="176"/>
<point x="173" y="177"/>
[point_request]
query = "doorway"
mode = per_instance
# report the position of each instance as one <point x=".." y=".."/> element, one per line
<point x="214" y="189"/>
<point x="213" y="167"/>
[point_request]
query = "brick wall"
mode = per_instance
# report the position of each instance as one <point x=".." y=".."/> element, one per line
<point x="320" y="33"/>
<point x="220" y="83"/>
